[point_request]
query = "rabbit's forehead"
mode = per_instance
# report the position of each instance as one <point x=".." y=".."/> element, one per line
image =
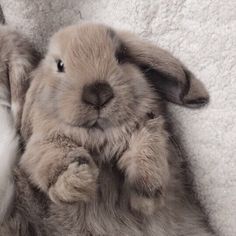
<point x="89" y="40"/>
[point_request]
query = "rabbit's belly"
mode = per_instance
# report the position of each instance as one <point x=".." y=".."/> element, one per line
<point x="109" y="214"/>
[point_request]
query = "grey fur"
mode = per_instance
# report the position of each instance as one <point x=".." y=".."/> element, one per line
<point x="125" y="176"/>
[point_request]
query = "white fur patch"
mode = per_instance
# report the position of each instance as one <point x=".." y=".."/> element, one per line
<point x="15" y="108"/>
<point x="4" y="97"/>
<point x="8" y="154"/>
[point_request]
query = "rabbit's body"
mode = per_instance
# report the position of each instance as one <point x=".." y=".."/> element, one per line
<point x="98" y="158"/>
<point x="107" y="215"/>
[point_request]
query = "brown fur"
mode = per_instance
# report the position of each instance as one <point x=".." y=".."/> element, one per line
<point x="17" y="60"/>
<point x="115" y="172"/>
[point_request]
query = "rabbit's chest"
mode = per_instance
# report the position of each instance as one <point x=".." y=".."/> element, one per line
<point x="105" y="145"/>
<point x="115" y="146"/>
<point x="108" y="145"/>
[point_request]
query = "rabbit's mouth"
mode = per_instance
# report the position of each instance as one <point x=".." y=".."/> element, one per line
<point x="98" y="123"/>
<point x="90" y="124"/>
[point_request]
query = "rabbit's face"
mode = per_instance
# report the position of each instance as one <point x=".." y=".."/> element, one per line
<point x="89" y="80"/>
<point x="94" y="76"/>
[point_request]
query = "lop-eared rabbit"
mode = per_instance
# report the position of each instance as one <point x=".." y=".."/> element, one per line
<point x="99" y="159"/>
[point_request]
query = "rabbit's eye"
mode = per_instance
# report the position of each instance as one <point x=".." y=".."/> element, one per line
<point x="60" y="66"/>
<point x="121" y="54"/>
<point x="120" y="57"/>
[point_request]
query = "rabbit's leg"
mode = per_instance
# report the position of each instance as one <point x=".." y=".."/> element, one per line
<point x="67" y="174"/>
<point x="145" y="165"/>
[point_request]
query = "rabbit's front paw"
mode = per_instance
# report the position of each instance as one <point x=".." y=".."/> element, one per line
<point x="77" y="181"/>
<point x="145" y="201"/>
<point x="148" y="187"/>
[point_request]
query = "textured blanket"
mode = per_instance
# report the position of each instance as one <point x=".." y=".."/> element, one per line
<point x="200" y="33"/>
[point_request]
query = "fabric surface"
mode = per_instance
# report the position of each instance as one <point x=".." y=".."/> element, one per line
<point x="203" y="35"/>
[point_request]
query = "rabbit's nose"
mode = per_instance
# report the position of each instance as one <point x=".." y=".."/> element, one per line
<point x="97" y="94"/>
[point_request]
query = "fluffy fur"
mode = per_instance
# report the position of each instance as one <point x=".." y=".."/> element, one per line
<point x="112" y="171"/>
<point x="8" y="154"/>
<point x="16" y="61"/>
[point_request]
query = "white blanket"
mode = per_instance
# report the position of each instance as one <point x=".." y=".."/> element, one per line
<point x="203" y="35"/>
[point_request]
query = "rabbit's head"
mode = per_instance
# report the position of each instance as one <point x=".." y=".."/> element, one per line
<point x="93" y="76"/>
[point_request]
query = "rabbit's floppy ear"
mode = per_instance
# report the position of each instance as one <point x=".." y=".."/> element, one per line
<point x="19" y="60"/>
<point x="169" y="77"/>
<point x="19" y="68"/>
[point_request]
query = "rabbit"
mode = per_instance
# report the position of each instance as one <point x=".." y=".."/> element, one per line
<point x="99" y="158"/>
<point x="17" y="59"/>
